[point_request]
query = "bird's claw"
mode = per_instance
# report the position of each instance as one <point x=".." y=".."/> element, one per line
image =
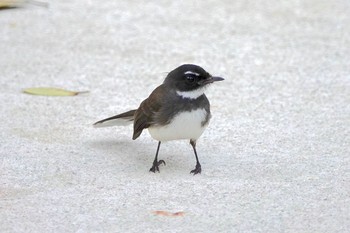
<point x="197" y="170"/>
<point x="155" y="166"/>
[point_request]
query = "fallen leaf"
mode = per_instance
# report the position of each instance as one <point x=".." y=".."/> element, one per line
<point x="5" y="4"/>
<point x="179" y="213"/>
<point x="168" y="214"/>
<point x="50" y="91"/>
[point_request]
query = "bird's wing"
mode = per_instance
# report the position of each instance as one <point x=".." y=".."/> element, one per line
<point x="148" y="111"/>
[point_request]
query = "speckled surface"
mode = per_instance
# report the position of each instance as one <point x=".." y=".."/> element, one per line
<point x="275" y="158"/>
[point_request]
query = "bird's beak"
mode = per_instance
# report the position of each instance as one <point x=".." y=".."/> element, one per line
<point x="209" y="80"/>
<point x="215" y="78"/>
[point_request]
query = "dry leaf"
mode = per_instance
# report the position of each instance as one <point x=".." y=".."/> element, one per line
<point x="4" y="4"/>
<point x="50" y="91"/>
<point x="9" y="4"/>
<point x="168" y="214"/>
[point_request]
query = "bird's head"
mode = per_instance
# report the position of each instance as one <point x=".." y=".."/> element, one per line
<point x="190" y="80"/>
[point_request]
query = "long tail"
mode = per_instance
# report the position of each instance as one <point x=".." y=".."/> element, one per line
<point x="125" y="118"/>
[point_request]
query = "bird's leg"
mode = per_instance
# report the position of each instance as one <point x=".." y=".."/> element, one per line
<point x="198" y="168"/>
<point x="156" y="163"/>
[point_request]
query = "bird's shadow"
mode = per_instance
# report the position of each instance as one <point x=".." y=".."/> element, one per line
<point x="109" y="145"/>
<point x="132" y="153"/>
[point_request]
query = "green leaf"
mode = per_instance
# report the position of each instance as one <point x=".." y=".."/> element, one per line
<point x="50" y="91"/>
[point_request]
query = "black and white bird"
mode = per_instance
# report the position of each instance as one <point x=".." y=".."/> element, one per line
<point x="177" y="109"/>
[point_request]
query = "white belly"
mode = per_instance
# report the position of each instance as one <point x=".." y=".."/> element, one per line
<point x="185" y="125"/>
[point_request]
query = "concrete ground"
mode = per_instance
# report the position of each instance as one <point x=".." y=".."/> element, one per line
<point x="275" y="157"/>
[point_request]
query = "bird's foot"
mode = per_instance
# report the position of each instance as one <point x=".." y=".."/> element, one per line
<point x="155" y="166"/>
<point x="197" y="170"/>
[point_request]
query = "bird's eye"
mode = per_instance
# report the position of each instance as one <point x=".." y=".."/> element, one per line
<point x="190" y="78"/>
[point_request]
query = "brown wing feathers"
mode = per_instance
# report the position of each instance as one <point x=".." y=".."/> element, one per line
<point x="145" y="114"/>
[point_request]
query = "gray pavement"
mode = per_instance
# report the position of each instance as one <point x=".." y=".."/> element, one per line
<point x="275" y="156"/>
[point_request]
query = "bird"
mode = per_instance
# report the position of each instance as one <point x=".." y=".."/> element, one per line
<point x="178" y="109"/>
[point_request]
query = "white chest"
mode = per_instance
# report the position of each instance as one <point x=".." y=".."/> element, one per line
<point x="185" y="125"/>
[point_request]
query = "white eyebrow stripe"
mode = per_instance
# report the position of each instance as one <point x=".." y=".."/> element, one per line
<point x="191" y="72"/>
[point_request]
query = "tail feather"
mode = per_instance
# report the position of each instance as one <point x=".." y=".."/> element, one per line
<point x="125" y="118"/>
